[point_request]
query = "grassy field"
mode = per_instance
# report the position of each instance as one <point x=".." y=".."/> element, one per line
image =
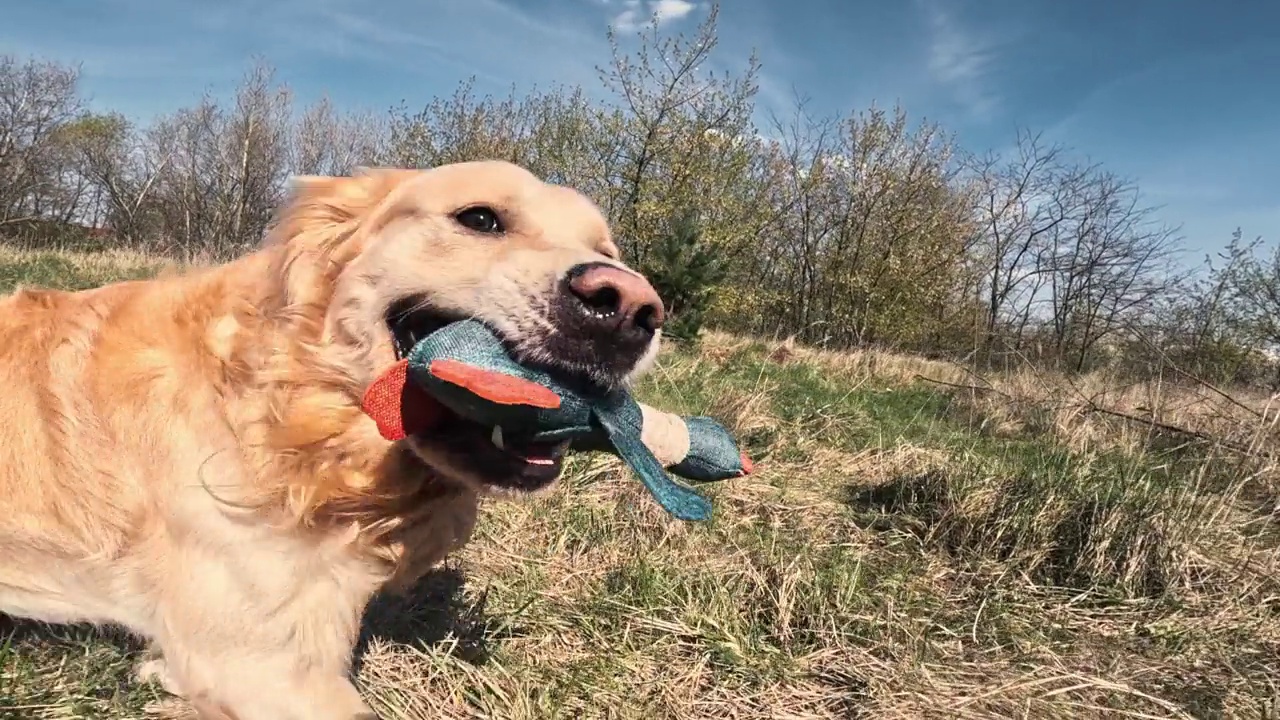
<point x="986" y="548"/>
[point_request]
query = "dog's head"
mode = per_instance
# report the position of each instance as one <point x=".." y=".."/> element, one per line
<point x="388" y="256"/>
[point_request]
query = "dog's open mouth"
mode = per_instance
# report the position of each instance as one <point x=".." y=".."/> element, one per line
<point x="411" y="320"/>
<point x="461" y="446"/>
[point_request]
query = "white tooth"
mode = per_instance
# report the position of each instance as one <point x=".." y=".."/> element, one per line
<point x="496" y="437"/>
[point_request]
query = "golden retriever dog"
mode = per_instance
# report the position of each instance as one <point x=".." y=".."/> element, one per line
<point x="186" y="456"/>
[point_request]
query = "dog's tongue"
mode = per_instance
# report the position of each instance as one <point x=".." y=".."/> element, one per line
<point x="399" y="407"/>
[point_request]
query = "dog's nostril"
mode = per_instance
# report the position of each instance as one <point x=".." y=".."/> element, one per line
<point x="605" y="301"/>
<point x="647" y="318"/>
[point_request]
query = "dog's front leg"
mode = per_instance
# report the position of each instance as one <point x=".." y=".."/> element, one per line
<point x="263" y="629"/>
<point x="253" y="682"/>
<point x="261" y="676"/>
<point x="341" y="702"/>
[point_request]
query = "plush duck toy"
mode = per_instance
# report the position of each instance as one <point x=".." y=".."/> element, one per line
<point x="465" y="368"/>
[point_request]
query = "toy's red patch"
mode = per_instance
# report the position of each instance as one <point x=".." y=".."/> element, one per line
<point x="397" y="407"/>
<point x="747" y="465"/>
<point x="494" y="386"/>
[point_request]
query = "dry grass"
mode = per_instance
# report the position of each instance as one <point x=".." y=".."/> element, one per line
<point x="906" y="550"/>
<point x="72" y="270"/>
<point x="1074" y="410"/>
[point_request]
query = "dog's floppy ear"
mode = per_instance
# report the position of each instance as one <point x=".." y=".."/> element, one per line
<point x="321" y="198"/>
<point x="319" y="225"/>
<point x="303" y="185"/>
<point x="323" y="208"/>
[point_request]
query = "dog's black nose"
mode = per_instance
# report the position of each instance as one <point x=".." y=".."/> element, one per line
<point x="616" y="299"/>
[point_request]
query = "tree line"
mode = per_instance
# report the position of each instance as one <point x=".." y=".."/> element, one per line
<point x="863" y="229"/>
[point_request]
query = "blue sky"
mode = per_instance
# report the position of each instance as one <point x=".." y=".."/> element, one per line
<point x="1180" y="97"/>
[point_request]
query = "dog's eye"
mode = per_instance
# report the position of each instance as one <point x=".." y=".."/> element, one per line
<point x="480" y="219"/>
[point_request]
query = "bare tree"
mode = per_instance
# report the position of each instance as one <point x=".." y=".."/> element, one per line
<point x="1107" y="264"/>
<point x="325" y="142"/>
<point x="1021" y="200"/>
<point x="552" y="133"/>
<point x="36" y="100"/>
<point x="124" y="169"/>
<point x="785" y="261"/>
<point x="224" y="170"/>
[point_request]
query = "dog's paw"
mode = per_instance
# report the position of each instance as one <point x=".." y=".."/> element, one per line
<point x="156" y="671"/>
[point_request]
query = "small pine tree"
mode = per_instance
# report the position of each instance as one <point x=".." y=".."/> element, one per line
<point x="683" y="270"/>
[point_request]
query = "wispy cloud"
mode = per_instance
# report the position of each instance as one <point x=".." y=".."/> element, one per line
<point x="634" y="15"/>
<point x="519" y="44"/>
<point x="144" y="57"/>
<point x="671" y="9"/>
<point x="960" y="59"/>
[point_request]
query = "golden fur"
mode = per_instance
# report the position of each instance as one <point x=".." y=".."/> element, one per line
<point x="186" y="456"/>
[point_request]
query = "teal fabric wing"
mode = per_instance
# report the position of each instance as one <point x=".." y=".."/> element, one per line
<point x="713" y="453"/>
<point x="622" y="421"/>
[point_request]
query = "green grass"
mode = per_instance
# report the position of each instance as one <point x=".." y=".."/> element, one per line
<point x="68" y="672"/>
<point x="69" y="271"/>
<point x="891" y="557"/>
